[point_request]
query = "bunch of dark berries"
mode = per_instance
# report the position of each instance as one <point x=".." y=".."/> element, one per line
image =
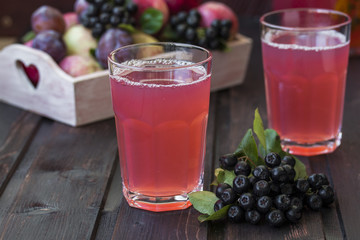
<point x="103" y="14"/>
<point x="270" y="192"/>
<point x="187" y="28"/>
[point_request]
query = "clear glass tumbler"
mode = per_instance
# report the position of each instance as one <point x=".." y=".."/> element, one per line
<point x="160" y="94"/>
<point x="305" y="58"/>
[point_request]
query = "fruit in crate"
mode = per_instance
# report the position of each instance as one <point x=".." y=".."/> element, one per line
<point x="79" y="40"/>
<point x="71" y="19"/>
<point x="211" y="11"/>
<point x="50" y="42"/>
<point x="96" y="27"/>
<point x="78" y="65"/>
<point x="110" y="40"/>
<point x="47" y="18"/>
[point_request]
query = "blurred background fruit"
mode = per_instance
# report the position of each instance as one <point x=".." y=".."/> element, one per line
<point x="79" y="40"/>
<point x="77" y="65"/>
<point x="50" y="42"/>
<point x="47" y="18"/>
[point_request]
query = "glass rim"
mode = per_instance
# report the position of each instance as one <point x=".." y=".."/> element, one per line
<point x="311" y="10"/>
<point x="184" y="45"/>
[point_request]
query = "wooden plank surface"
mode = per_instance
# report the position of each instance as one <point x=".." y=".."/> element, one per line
<point x="16" y="131"/>
<point x="58" y="189"/>
<point x="344" y="164"/>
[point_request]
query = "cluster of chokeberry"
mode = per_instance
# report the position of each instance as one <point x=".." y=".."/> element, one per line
<point x="270" y="192"/>
<point x="187" y="28"/>
<point x="103" y="14"/>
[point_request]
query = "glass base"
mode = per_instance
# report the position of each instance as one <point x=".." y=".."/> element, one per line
<point x="306" y="149"/>
<point x="159" y="203"/>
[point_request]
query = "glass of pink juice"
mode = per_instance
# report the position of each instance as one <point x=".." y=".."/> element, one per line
<point x="160" y="95"/>
<point x="305" y="58"/>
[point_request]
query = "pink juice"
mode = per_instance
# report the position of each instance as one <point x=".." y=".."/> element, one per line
<point x="161" y="120"/>
<point x="305" y="85"/>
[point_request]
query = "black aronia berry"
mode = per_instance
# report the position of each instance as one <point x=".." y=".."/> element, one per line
<point x="270" y="191"/>
<point x="272" y="188"/>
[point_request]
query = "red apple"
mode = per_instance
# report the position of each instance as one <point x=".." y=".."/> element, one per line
<point x="210" y="11"/>
<point x="71" y="19"/>
<point x="176" y="6"/>
<point x="77" y="65"/>
<point x="157" y="4"/>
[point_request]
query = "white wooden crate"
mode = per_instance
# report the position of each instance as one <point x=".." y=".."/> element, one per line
<point x="85" y="99"/>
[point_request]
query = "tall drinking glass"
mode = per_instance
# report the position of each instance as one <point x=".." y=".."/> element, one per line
<point x="160" y="94"/>
<point x="305" y="57"/>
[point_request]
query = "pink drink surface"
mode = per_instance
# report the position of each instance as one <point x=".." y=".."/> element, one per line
<point x="305" y="85"/>
<point x="161" y="127"/>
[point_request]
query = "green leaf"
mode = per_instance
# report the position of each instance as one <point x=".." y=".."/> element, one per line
<point x="127" y="27"/>
<point x="229" y="177"/>
<point x="221" y="176"/>
<point x="300" y="169"/>
<point x="28" y="36"/>
<point x="216" y="215"/>
<point x="248" y="146"/>
<point x="203" y="201"/>
<point x="151" y="21"/>
<point x="258" y="127"/>
<point x="92" y="52"/>
<point x="273" y="143"/>
<point x="262" y="151"/>
<point x="168" y="34"/>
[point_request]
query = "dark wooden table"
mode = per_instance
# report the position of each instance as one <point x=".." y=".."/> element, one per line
<point x="59" y="182"/>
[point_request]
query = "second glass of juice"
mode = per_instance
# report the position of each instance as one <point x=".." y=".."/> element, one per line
<point x="160" y="94"/>
<point x="305" y="58"/>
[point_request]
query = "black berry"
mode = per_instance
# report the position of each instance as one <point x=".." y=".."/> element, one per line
<point x="218" y="205"/>
<point x="228" y="196"/>
<point x="226" y="23"/>
<point x="261" y="172"/>
<point x="275" y="218"/>
<point x="327" y="194"/>
<point x="228" y="161"/>
<point x="288" y="160"/>
<point x="282" y="202"/>
<point x="314" y="202"/>
<point x="241" y="184"/>
<point x="220" y="189"/>
<point x="302" y="185"/>
<point x="290" y="171"/>
<point x="252" y="216"/>
<point x="286" y="188"/>
<point x="278" y="174"/>
<point x="272" y="160"/>
<point x="216" y="24"/>
<point x="264" y="204"/>
<point x="246" y="201"/>
<point x="132" y="7"/>
<point x="274" y="189"/>
<point x="242" y="168"/>
<point x="316" y="181"/>
<point x="293" y="215"/>
<point x="261" y="188"/>
<point x="210" y="33"/>
<point x="296" y="203"/>
<point x="235" y="214"/>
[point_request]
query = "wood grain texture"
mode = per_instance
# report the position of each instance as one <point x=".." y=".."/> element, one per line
<point x="344" y="164"/>
<point x="62" y="183"/>
<point x="16" y="131"/>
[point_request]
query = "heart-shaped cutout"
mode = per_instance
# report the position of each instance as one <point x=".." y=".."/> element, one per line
<point x="30" y="71"/>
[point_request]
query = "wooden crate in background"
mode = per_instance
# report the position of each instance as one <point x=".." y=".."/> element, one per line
<point x="85" y="99"/>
